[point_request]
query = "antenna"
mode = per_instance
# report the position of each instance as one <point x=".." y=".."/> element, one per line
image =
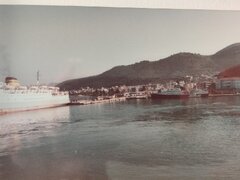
<point x="38" y="77"/>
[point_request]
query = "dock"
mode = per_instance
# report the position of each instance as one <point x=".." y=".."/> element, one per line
<point x="219" y="95"/>
<point x="97" y="101"/>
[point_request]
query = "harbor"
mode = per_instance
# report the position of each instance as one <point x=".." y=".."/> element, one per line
<point x="13" y="94"/>
<point x="197" y="137"/>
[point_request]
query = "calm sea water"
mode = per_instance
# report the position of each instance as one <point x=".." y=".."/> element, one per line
<point x="143" y="139"/>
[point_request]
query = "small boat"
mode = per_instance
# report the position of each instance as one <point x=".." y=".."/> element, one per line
<point x="196" y="93"/>
<point x="137" y="95"/>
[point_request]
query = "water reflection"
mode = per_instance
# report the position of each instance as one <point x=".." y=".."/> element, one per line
<point x="196" y="138"/>
<point x="142" y="172"/>
<point x="18" y="129"/>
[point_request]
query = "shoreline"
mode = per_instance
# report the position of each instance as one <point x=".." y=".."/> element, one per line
<point x="219" y="95"/>
<point x="86" y="102"/>
<point x="118" y="99"/>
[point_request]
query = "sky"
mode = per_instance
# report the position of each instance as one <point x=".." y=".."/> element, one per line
<point x="73" y="42"/>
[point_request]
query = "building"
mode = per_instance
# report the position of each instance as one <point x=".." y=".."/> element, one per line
<point x="228" y="83"/>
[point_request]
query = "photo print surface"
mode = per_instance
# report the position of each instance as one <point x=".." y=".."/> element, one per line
<point x="119" y="93"/>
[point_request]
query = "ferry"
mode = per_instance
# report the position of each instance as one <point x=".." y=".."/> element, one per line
<point x="14" y="97"/>
<point x="175" y="93"/>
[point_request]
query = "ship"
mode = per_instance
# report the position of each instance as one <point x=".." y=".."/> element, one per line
<point x="175" y="93"/>
<point x="14" y="97"/>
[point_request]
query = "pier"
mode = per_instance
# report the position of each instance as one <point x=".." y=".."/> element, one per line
<point x="97" y="101"/>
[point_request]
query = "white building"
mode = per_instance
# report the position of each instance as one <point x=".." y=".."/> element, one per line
<point x="228" y="83"/>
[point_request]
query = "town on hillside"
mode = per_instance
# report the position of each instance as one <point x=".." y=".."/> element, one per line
<point x="225" y="83"/>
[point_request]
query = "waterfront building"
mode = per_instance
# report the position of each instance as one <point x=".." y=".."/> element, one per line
<point x="228" y="83"/>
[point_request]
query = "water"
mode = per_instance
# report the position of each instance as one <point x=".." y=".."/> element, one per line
<point x="145" y="139"/>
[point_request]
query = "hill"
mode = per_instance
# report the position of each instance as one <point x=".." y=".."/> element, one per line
<point x="173" y="67"/>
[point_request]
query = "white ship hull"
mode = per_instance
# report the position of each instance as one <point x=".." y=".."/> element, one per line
<point x="16" y="100"/>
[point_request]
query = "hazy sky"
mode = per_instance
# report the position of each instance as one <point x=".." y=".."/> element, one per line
<point x="73" y="42"/>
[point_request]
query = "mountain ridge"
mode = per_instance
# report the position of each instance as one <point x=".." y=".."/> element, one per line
<point x="174" y="66"/>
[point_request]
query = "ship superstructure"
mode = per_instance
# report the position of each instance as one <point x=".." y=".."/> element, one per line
<point x="175" y="93"/>
<point x="14" y="97"/>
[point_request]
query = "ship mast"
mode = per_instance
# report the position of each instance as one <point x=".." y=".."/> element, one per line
<point x="38" y="77"/>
